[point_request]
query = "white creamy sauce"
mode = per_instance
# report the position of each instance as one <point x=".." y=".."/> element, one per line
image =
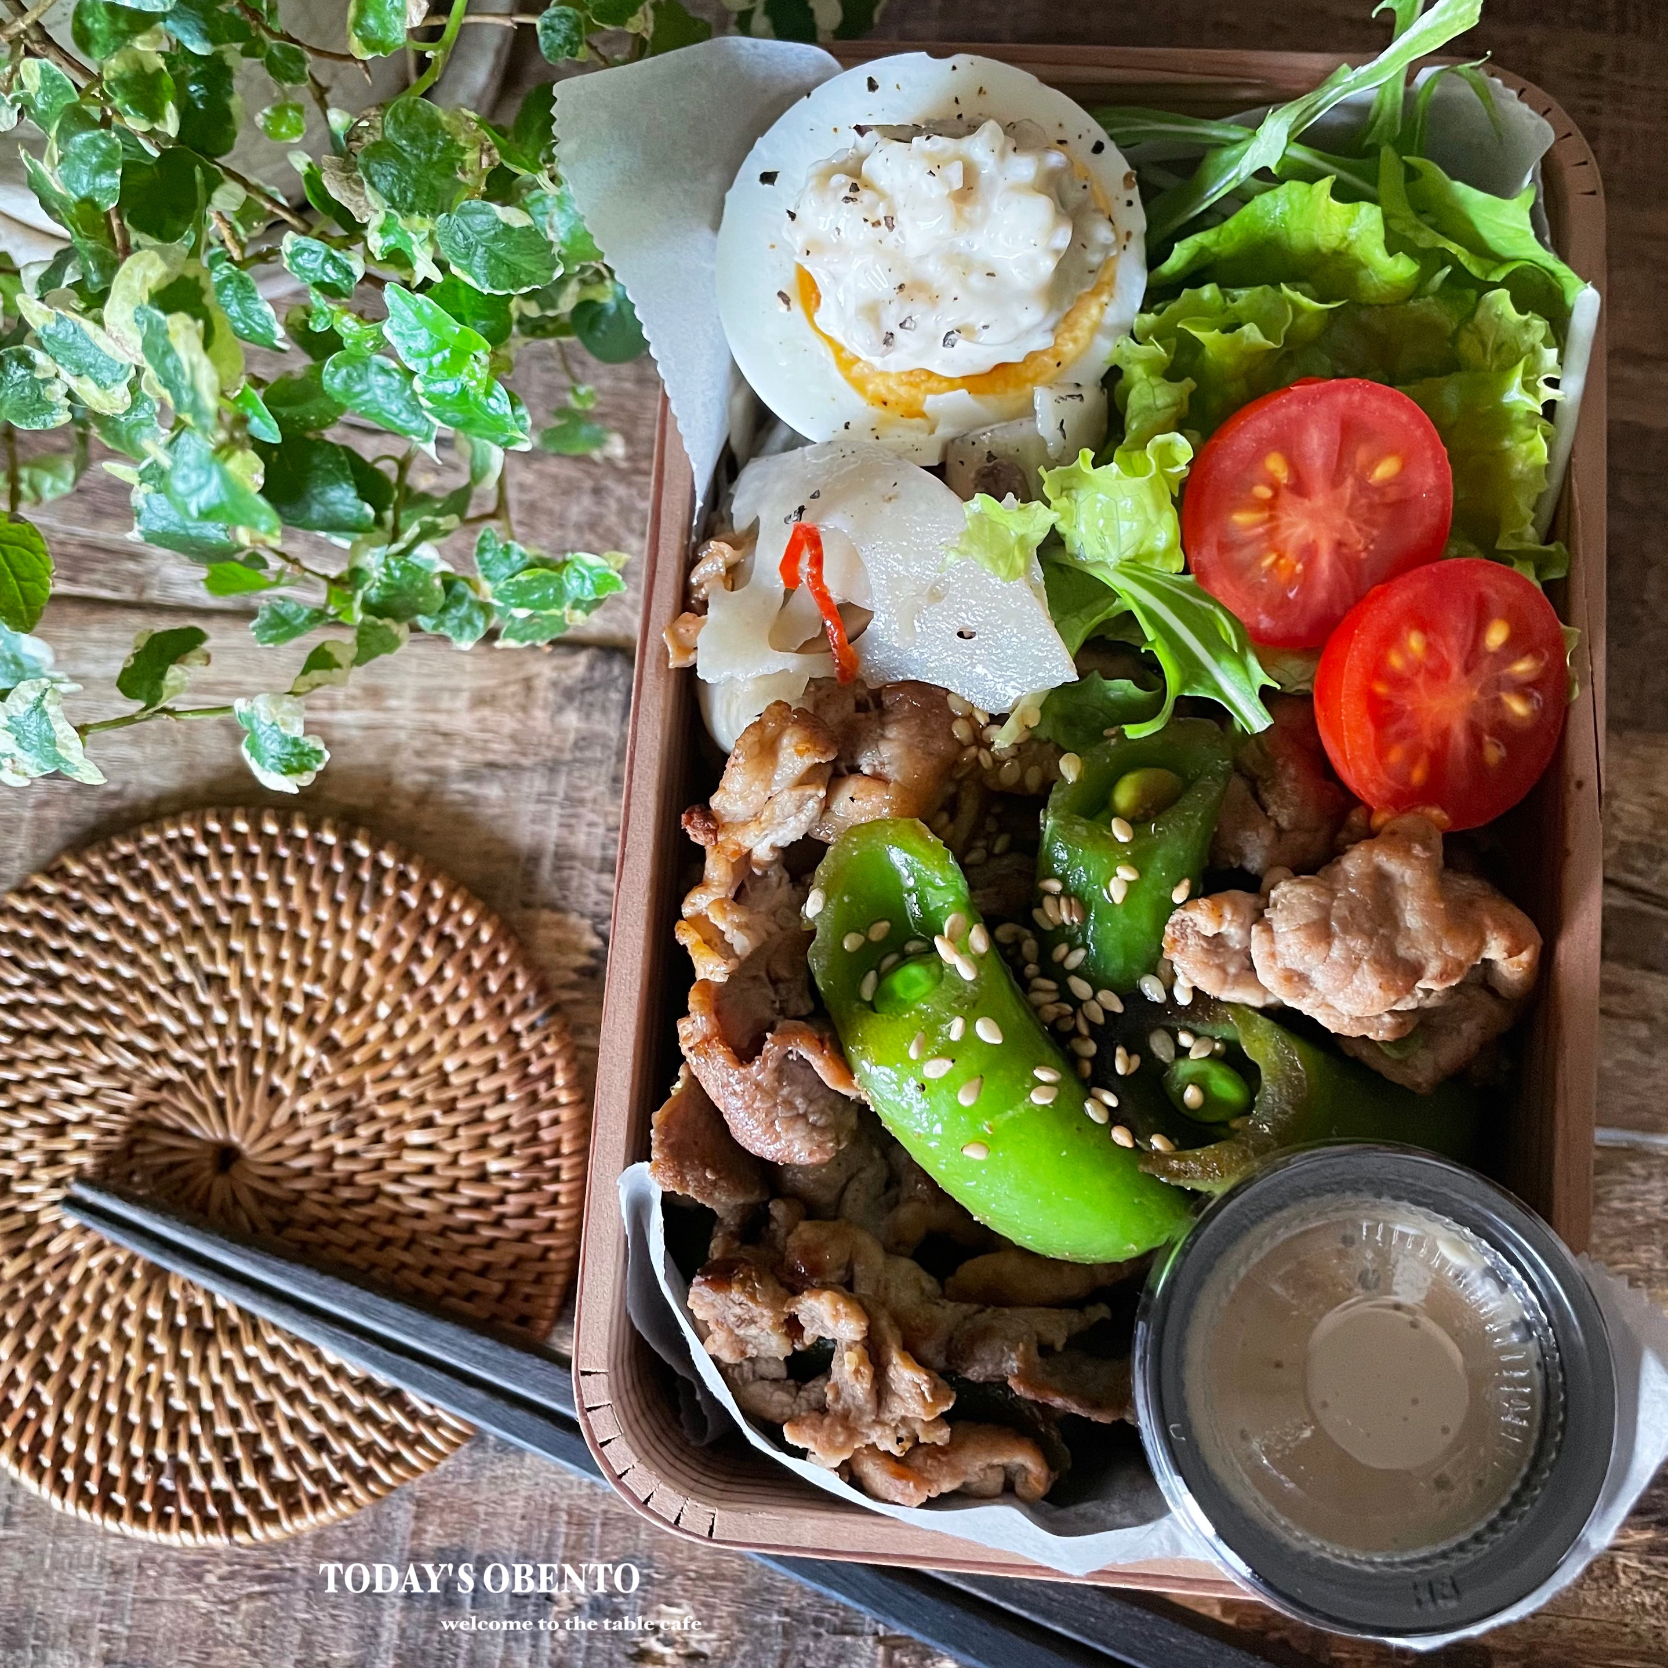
<point x="948" y="253"/>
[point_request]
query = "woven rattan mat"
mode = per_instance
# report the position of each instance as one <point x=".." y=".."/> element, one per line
<point x="300" y="1030"/>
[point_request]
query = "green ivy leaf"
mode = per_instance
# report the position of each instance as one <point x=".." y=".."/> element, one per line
<point x="283" y="122"/>
<point x="378" y="389"/>
<point x="89" y="158"/>
<point x="101" y="30"/>
<point x="31" y="392"/>
<point x="575" y="585"/>
<point x="674" y="26"/>
<point x="528" y="142"/>
<point x="202" y="25"/>
<point x="89" y="361"/>
<point x="610" y="328"/>
<point x="562" y="31"/>
<point x="567" y="230"/>
<point x="275" y="745"/>
<point x="282" y="621"/>
<point x="429" y="340"/>
<point x="208" y="485"/>
<point x="497" y="249"/>
<point x="613" y="14"/>
<point x="328" y="664"/>
<point x="45" y="91"/>
<point x="166" y="197"/>
<point x="247" y="310"/>
<point x="312" y="485"/>
<point x="41" y="479"/>
<point x="374" y="638"/>
<point x="210" y="112"/>
<point x="160" y="664"/>
<point x="488" y="315"/>
<point x="262" y="424"/>
<point x="36" y="738"/>
<point x="132" y="432"/>
<point x="141" y="91"/>
<point x="173" y="348"/>
<point x="236" y="579"/>
<point x="574" y="435"/>
<point x="286" y="64"/>
<point x="25" y="574"/>
<point x="300" y="403"/>
<point x="376" y="28"/>
<point x="462" y="616"/>
<point x="405" y="585"/>
<point x="334" y="271"/>
<point x="414" y="165"/>
<point x="21" y="658"/>
<point x="486" y="411"/>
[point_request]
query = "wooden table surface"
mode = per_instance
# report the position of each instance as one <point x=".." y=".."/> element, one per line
<point x="504" y="767"/>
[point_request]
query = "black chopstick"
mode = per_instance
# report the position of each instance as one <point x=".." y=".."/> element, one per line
<point x="518" y="1391"/>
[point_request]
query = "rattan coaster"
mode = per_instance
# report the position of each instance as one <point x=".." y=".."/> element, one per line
<point x="300" y="1030"/>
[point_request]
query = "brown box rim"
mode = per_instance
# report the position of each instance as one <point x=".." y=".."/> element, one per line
<point x="629" y="1421"/>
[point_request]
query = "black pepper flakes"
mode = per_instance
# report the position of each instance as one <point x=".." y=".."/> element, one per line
<point x="787" y="304"/>
<point x="1098" y="146"/>
<point x="874" y="86"/>
<point x="951" y="337"/>
<point x="768" y="177"/>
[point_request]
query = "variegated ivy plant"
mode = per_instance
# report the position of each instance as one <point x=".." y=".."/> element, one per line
<point x="430" y="245"/>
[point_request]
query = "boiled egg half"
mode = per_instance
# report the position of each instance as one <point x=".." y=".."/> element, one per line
<point x="918" y="246"/>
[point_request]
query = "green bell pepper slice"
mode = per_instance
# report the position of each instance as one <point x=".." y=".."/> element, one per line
<point x="952" y="1057"/>
<point x="1302" y="1093"/>
<point x="1123" y="940"/>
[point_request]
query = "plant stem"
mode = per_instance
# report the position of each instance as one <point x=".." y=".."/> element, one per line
<point x="401" y="471"/>
<point x="264" y="197"/>
<point x="180" y="714"/>
<point x="290" y="40"/>
<point x="223" y="226"/>
<point x="32" y="16"/>
<point x="13" y="481"/>
<point x="301" y="567"/>
<point x="118" y="231"/>
<point x="501" y="20"/>
<point x="43" y="46"/>
<point x="441" y="50"/>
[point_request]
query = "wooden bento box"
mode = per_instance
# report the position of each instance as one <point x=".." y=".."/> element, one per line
<point x="732" y="1496"/>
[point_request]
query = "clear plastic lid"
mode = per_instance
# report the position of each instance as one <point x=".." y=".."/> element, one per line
<point x="1380" y="1386"/>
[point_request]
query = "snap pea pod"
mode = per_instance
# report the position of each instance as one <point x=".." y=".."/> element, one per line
<point x="1294" y="1091"/>
<point x="1163" y="792"/>
<point x="952" y="1057"/>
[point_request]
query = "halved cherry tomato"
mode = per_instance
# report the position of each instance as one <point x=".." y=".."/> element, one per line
<point x="1444" y="691"/>
<point x="1307" y="498"/>
<point x="802" y="563"/>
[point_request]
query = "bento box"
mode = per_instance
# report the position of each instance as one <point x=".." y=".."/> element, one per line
<point x="728" y="1494"/>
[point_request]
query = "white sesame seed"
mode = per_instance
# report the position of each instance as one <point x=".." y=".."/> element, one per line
<point x="944" y="947"/>
<point x="1001" y="843"/>
<point x="1117" y="889"/>
<point x="980" y="716"/>
<point x="1163" y="1144"/>
<point x="1043" y="1094"/>
<point x="1104" y="1095"/>
<point x="1151" y="987"/>
<point x="1179" y="892"/>
<point x="1084" y="1047"/>
<point x="1182" y="991"/>
<point x="1080" y="988"/>
<point x="814" y="902"/>
<point x="866" y="989"/>
<point x="986" y="758"/>
<point x="1031" y="970"/>
<point x="1163" y="1045"/>
<point x="888" y="962"/>
<point x="1033" y="778"/>
<point x="1009" y="773"/>
<point x="1029" y="949"/>
<point x="978" y="941"/>
<point x="963" y="732"/>
<point x="936" y="1066"/>
<point x="918" y="1045"/>
<point x="1060" y="1016"/>
<point x="1080" y="1024"/>
<point x="1134" y="1064"/>
<point x="1042" y="921"/>
<point x="1193" y="1097"/>
<point x="1071" y="767"/>
<point x="1059" y="952"/>
<point x="958" y="704"/>
<point x="975" y="1150"/>
<point x="1121" y="830"/>
<point x="1120" y="1061"/>
<point x="1185" y="1039"/>
<point x="955" y="926"/>
<point x="1093" y="1011"/>
<point x="853" y="941"/>
<point x="1039" y="998"/>
<point x="1200" y="1048"/>
<point x="1096" y="1111"/>
<point x="969" y="1091"/>
<point x="987" y="1030"/>
<point x="1045" y="984"/>
<point x="958" y="1028"/>
<point x="1051" y="910"/>
<point x="1051" y="885"/>
<point x="1122" y="1136"/>
<point x="1219" y="1048"/>
<point x="1128" y="871"/>
<point x="1008" y="932"/>
<point x="878" y="930"/>
<point x="1110" y="1000"/>
<point x="1083" y="1069"/>
<point x="1077" y="957"/>
<point x="1046" y="1073"/>
<point x="914" y="946"/>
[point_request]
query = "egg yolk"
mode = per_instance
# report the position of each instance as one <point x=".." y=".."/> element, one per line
<point x="905" y="393"/>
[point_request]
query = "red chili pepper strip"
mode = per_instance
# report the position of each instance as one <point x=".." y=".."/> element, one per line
<point x="802" y="564"/>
